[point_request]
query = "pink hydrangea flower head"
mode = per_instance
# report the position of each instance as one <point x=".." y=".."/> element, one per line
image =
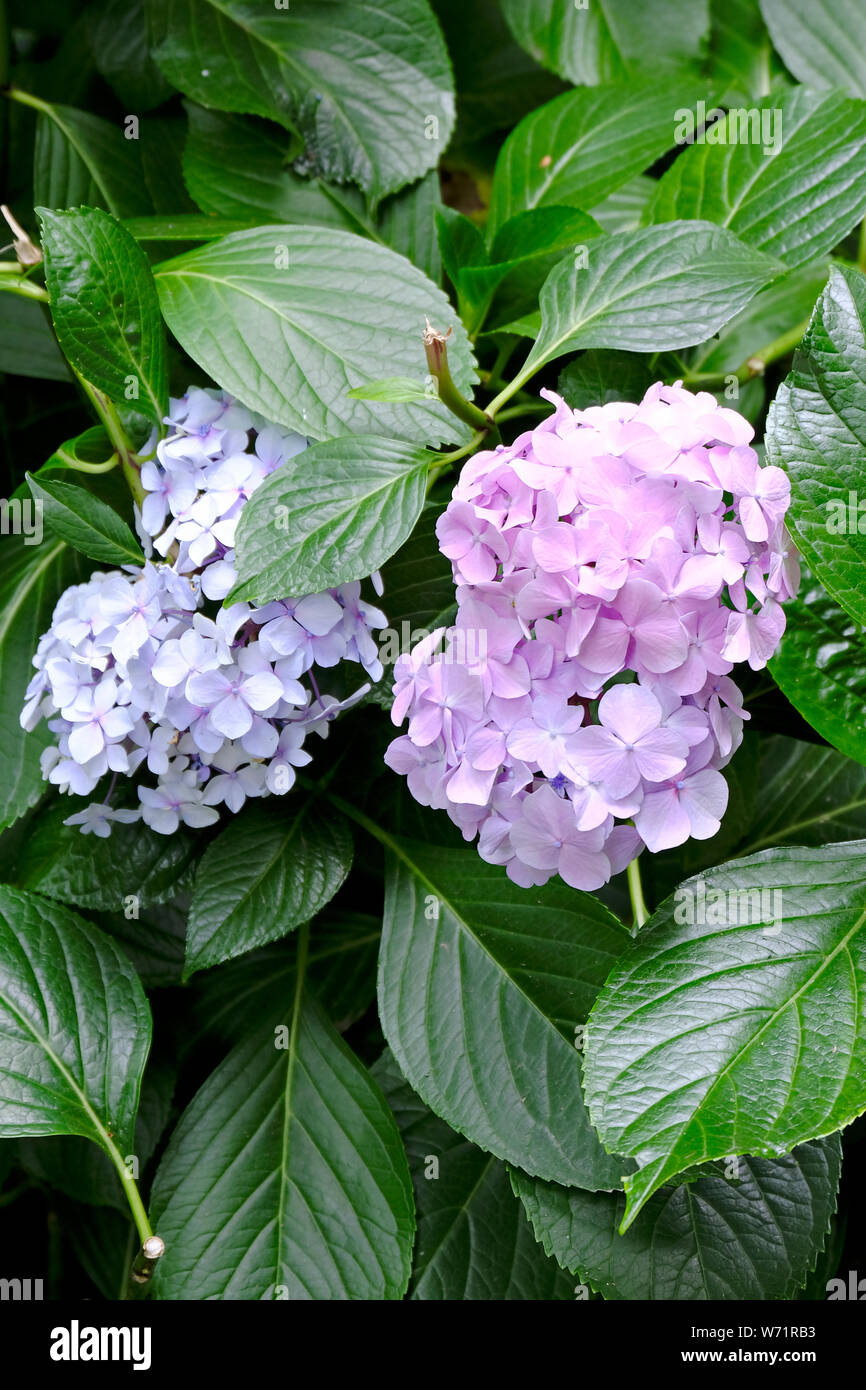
<point x="612" y="566"/>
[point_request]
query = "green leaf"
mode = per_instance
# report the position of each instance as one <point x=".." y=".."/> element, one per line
<point x="82" y="159"/>
<point x="133" y="861"/>
<point x="810" y="795"/>
<point x="27" y="345"/>
<point x="609" y="40"/>
<point x="816" y="431"/>
<point x="262" y="877"/>
<point x="776" y="311"/>
<point x="186" y="226"/>
<point x="286" y="1177"/>
<point x="407" y="224"/>
<point x="482" y="988"/>
<point x="333" y="513"/>
<point x="76" y="1026"/>
<point x="91" y="446"/>
<point x="254" y="990"/>
<point x="823" y="42"/>
<point x="119" y="41"/>
<point x="796" y="205"/>
<point x="524" y="251"/>
<point x="581" y="147"/>
<point x="821" y="667"/>
<point x="105" y="307"/>
<point x="741" y="54"/>
<point x="751" y="1228"/>
<point x="647" y="291"/>
<point x="334" y="311"/>
<point x="85" y="523"/>
<point x="723" y="1035"/>
<point x="32" y="578"/>
<point x="154" y="941"/>
<point x="473" y="1241"/>
<point x="598" y="377"/>
<point x="84" y="1172"/>
<point x="400" y="390"/>
<point x="235" y="167"/>
<point x="358" y="84"/>
<point x="238" y="166"/>
<point x="623" y="210"/>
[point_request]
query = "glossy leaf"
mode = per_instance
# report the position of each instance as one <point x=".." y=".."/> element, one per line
<point x="76" y="1026"/>
<point x="742" y="1030"/>
<point x="105" y="307"/>
<point x="750" y="1228"/>
<point x="823" y="42"/>
<point x="331" y="514"/>
<point x="329" y="312"/>
<point x="133" y="862"/>
<point x="646" y="291"/>
<point x="788" y="174"/>
<point x="821" y="667"/>
<point x="263" y="876"/>
<point x="473" y="1241"/>
<point x="581" y="147"/>
<point x="816" y="432"/>
<point x="265" y="1192"/>
<point x="85" y="523"/>
<point x="609" y="40"/>
<point x="482" y="991"/>
<point x="358" y="83"/>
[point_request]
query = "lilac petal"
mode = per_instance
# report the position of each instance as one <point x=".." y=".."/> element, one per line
<point x="705" y="799"/>
<point x="232" y="717"/>
<point x="661" y="643"/>
<point x="662" y="822"/>
<point x="630" y="711"/>
<point x="206" y="688"/>
<point x="660" y="755"/>
<point x="85" y="741"/>
<point x="262" y="690"/>
<point x="584" y="869"/>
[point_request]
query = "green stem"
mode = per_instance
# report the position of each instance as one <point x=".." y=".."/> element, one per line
<point x="441" y="462"/>
<point x="116" y="433"/>
<point x="531" y="408"/>
<point x="130" y="1190"/>
<point x="640" y="911"/>
<point x="28" y="289"/>
<point x="437" y="360"/>
<point x="27" y="99"/>
<point x="757" y="363"/>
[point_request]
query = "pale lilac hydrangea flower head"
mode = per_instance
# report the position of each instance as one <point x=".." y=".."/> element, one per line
<point x="134" y="677"/>
<point x="612" y="566"/>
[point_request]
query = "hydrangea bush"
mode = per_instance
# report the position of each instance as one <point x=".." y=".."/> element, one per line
<point x="433" y="682"/>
